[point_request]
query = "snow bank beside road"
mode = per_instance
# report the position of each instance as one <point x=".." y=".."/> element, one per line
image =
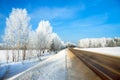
<point x="50" y="69"/>
<point x="114" y="51"/>
<point x="13" y="68"/>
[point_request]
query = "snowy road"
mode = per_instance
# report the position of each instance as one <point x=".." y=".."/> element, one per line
<point x="61" y="66"/>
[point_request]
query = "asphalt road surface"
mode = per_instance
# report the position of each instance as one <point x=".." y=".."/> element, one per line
<point x="106" y="67"/>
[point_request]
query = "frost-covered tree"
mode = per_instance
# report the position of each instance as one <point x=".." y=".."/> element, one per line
<point x="32" y="40"/>
<point x="18" y="34"/>
<point x="117" y="40"/>
<point x="84" y="43"/>
<point x="17" y="30"/>
<point x="56" y="43"/>
<point x="46" y="39"/>
<point x="43" y="33"/>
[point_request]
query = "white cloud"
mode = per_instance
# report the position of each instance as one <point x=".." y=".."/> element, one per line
<point x="53" y="13"/>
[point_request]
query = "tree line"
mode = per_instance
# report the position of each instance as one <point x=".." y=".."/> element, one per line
<point x="99" y="42"/>
<point x="19" y="36"/>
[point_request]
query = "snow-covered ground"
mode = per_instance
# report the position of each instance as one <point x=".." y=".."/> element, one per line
<point x="52" y="68"/>
<point x="114" y="51"/>
<point x="3" y="54"/>
<point x="13" y="68"/>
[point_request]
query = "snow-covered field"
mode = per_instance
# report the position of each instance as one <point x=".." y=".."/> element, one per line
<point x="3" y="54"/>
<point x="52" y="68"/>
<point x="114" y="51"/>
<point x="13" y="68"/>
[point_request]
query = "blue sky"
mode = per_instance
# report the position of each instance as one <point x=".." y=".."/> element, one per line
<point x="71" y="19"/>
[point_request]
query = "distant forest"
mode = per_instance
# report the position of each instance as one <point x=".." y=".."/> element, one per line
<point x="99" y="42"/>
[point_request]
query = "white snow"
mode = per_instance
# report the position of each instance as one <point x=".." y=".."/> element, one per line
<point x="113" y="51"/>
<point x="3" y="54"/>
<point x="51" y="69"/>
<point x="34" y="54"/>
<point x="14" y="68"/>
